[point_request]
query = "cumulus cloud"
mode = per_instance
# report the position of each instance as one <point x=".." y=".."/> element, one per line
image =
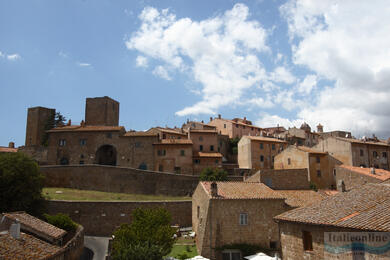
<point x="161" y="72"/>
<point x="141" y="61"/>
<point x="267" y="120"/>
<point x="346" y="43"/>
<point x="219" y="53"/>
<point x="282" y="74"/>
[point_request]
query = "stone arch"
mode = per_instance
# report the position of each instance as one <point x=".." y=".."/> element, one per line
<point x="106" y="155"/>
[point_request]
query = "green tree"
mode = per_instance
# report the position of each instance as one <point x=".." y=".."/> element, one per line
<point x="149" y="236"/>
<point x="20" y="184"/>
<point x="213" y="174"/>
<point x="233" y="143"/>
<point x="62" y="221"/>
<point x="54" y="121"/>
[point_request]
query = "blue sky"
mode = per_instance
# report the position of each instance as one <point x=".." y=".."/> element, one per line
<point x="165" y="61"/>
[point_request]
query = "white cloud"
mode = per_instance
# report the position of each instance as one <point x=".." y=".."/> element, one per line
<point x="219" y="53"/>
<point x="267" y="120"/>
<point x="1" y="55"/>
<point x="346" y="42"/>
<point x="63" y="54"/>
<point x="307" y="85"/>
<point x="83" y="64"/>
<point x="10" y="57"/>
<point x="261" y="102"/>
<point x="141" y="61"/>
<point x="281" y="74"/>
<point x="161" y="72"/>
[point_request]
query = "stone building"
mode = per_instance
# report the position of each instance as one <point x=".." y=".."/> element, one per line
<point x="101" y="111"/>
<point x="168" y="133"/>
<point x="354" y="152"/>
<point x="302" y="230"/>
<point x="197" y="126"/>
<point x="8" y="149"/>
<point x="173" y="155"/>
<point x="350" y="177"/>
<point x="301" y="136"/>
<point x="319" y="164"/>
<point x="23" y="236"/>
<point x="235" y="128"/>
<point x="258" y="152"/>
<point x="225" y="213"/>
<point x="37" y="120"/>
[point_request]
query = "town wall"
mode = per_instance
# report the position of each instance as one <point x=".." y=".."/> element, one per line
<point x="101" y="218"/>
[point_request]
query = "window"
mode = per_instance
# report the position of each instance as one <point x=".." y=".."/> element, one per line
<point x="273" y="146"/>
<point x="197" y="161"/>
<point x="318" y="159"/>
<point x="273" y="159"/>
<point x="182" y="152"/>
<point x="177" y="170"/>
<point x="216" y="161"/>
<point x="81" y="162"/>
<point x="243" y="127"/>
<point x="307" y="241"/>
<point x="220" y="143"/>
<point x="384" y="154"/>
<point x="62" y="142"/>
<point x="109" y="135"/>
<point x="272" y="244"/>
<point x="261" y="158"/>
<point x="164" y="136"/>
<point x="160" y="168"/>
<point x="224" y="125"/>
<point x="200" y="147"/>
<point x="243" y="219"/>
<point x="261" y="146"/>
<point x="83" y="142"/>
<point x="138" y="144"/>
<point x="179" y="137"/>
<point x="334" y="172"/>
<point x="143" y="166"/>
<point x="374" y="154"/>
<point x="193" y="125"/>
<point x="318" y="173"/>
<point x="64" y="161"/>
<point x="236" y="126"/>
<point x="231" y="255"/>
<point x="211" y="147"/>
<point x="200" y="138"/>
<point x="361" y="152"/>
<point x="82" y="156"/>
<point x="161" y="152"/>
<point x="289" y="161"/>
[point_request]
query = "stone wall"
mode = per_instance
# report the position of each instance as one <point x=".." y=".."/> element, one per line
<point x="101" y="218"/>
<point x="119" y="179"/>
<point x="286" y="179"/>
<point x="353" y="179"/>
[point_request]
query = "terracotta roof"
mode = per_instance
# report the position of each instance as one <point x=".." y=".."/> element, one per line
<point x="238" y="123"/>
<point x="242" y="190"/>
<point x="264" y="139"/>
<point x="4" y="149"/>
<point x="300" y="198"/>
<point x="90" y="128"/>
<point x="165" y="130"/>
<point x="36" y="225"/>
<point x="27" y="247"/>
<point x="174" y="141"/>
<point x="139" y="133"/>
<point x="379" y="173"/>
<point x="209" y="155"/>
<point x="367" y="208"/>
<point x="357" y="141"/>
<point x="203" y="131"/>
<point x="310" y="150"/>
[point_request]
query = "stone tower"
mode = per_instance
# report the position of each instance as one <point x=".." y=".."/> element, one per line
<point x="102" y="111"/>
<point x="37" y="118"/>
<point x="320" y="128"/>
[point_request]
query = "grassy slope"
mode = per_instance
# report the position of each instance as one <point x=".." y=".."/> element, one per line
<point x="89" y="195"/>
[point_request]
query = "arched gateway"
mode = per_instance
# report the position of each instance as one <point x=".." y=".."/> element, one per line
<point x="106" y="155"/>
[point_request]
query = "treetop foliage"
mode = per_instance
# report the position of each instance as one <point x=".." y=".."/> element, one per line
<point x="213" y="174"/>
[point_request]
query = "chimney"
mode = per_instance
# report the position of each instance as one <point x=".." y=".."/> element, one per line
<point x="372" y="170"/>
<point x="69" y="123"/>
<point x="211" y="119"/>
<point x="14" y="229"/>
<point x="82" y="124"/>
<point x="244" y="118"/>
<point x="341" y="186"/>
<point x="202" y="121"/>
<point x="11" y="145"/>
<point x="214" y="189"/>
<point x="188" y="120"/>
<point x="219" y="116"/>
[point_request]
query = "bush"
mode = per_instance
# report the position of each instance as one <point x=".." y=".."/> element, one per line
<point x="213" y="174"/>
<point x="62" y="221"/>
<point x="21" y="184"/>
<point x="182" y="256"/>
<point x="313" y="186"/>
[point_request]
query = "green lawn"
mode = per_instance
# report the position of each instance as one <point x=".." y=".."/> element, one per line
<point x="89" y="195"/>
<point x="181" y="249"/>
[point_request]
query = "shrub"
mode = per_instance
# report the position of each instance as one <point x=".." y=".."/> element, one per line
<point x="213" y="174"/>
<point x="62" y="221"/>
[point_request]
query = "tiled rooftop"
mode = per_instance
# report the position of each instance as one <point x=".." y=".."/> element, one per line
<point x="264" y="139"/>
<point x="300" y="198"/>
<point x="242" y="190"/>
<point x="357" y="141"/>
<point x="90" y="128"/>
<point x="26" y="248"/>
<point x="379" y="173"/>
<point x="367" y="208"/>
<point x="208" y="155"/>
<point x="139" y="133"/>
<point x="36" y="224"/>
<point x="174" y="141"/>
<point x="203" y="131"/>
<point x="8" y="149"/>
